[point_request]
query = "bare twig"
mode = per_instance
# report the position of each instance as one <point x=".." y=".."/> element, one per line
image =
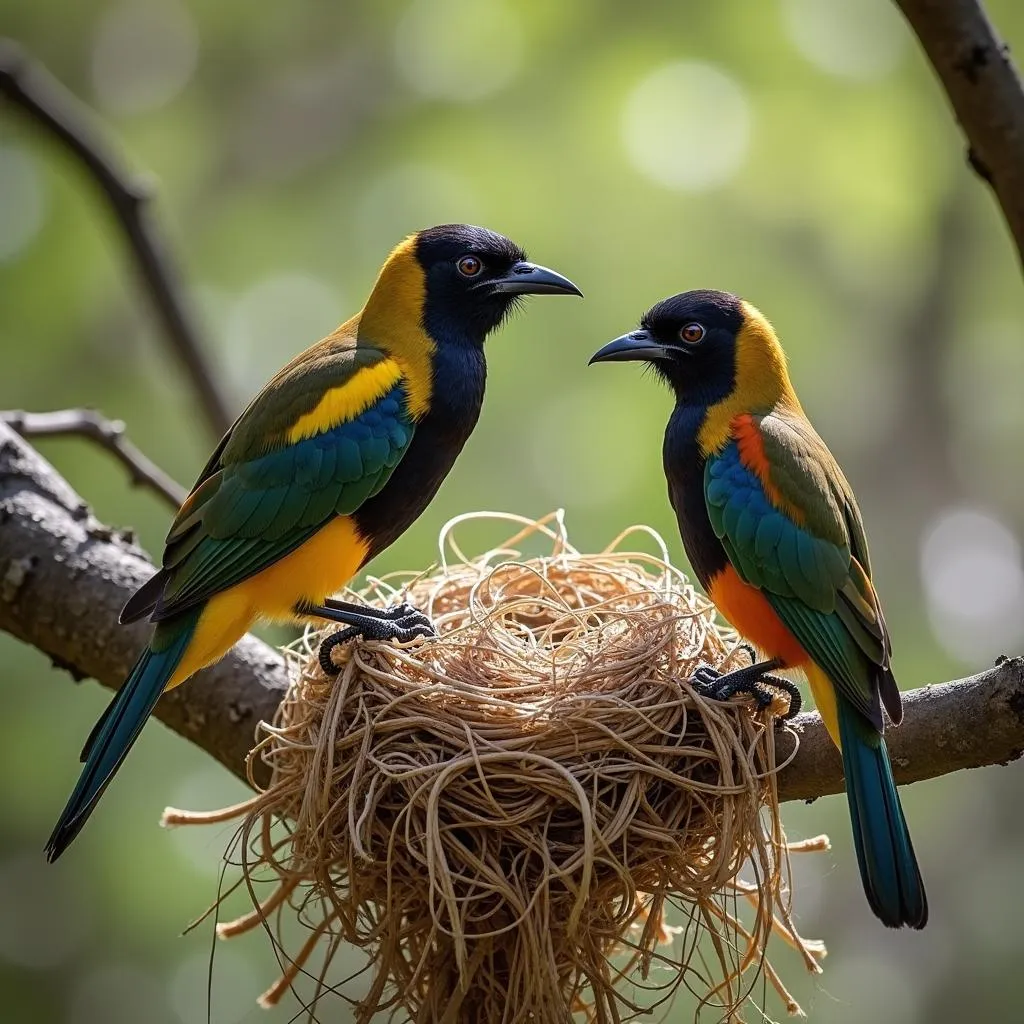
<point x="108" y="434"/>
<point x="985" y="90"/>
<point x="64" y="577"/>
<point x="28" y="85"/>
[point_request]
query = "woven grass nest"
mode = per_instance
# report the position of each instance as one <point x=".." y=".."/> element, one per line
<point x="533" y="815"/>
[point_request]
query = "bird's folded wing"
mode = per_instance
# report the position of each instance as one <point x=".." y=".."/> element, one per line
<point x="787" y="519"/>
<point x="312" y="446"/>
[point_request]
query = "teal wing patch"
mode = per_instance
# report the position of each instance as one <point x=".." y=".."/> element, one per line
<point x="246" y="515"/>
<point x="808" y="571"/>
<point x="766" y="547"/>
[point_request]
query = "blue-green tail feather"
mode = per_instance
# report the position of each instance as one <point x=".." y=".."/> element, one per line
<point x="888" y="867"/>
<point x="120" y="725"/>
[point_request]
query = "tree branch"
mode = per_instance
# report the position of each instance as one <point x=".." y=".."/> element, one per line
<point x="28" y="85"/>
<point x="984" y="88"/>
<point x="64" y="578"/>
<point x="108" y="434"/>
<point x="967" y="723"/>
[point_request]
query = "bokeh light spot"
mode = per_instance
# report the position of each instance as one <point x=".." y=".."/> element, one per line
<point x="22" y="206"/>
<point x="687" y="126"/>
<point x="206" y="788"/>
<point x="974" y="583"/>
<point x="459" y="50"/>
<point x="862" y="40"/>
<point x="273" y="321"/>
<point x="144" y="55"/>
<point x="409" y="197"/>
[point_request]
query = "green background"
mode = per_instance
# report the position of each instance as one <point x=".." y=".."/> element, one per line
<point x="798" y="152"/>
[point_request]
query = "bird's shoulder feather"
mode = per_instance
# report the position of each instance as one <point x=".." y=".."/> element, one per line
<point x="304" y="451"/>
<point x="770" y="503"/>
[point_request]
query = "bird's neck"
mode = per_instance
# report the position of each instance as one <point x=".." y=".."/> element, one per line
<point x="460" y="373"/>
<point x="760" y="385"/>
<point x="392" y="321"/>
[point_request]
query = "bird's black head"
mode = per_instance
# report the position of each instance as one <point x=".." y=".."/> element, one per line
<point x="473" y="278"/>
<point x="690" y="340"/>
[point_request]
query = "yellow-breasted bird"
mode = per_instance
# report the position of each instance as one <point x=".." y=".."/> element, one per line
<point x="328" y="465"/>
<point x="774" y="534"/>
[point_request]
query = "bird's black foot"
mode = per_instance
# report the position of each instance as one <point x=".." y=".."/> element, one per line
<point x="756" y="679"/>
<point x="327" y="648"/>
<point x="404" y="610"/>
<point x="398" y="623"/>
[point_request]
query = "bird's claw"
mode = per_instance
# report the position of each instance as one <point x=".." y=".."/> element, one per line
<point x="402" y="610"/>
<point x="403" y="623"/>
<point x="399" y="623"/>
<point x="796" y="700"/>
<point x="327" y="648"/>
<point x="705" y="679"/>
<point x="712" y="684"/>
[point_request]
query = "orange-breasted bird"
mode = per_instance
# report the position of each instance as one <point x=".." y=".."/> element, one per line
<point x="329" y="464"/>
<point x="773" y="532"/>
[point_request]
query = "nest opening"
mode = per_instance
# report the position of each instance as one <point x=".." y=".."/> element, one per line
<point x="532" y="814"/>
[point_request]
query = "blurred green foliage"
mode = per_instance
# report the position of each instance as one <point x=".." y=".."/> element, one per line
<point x="798" y="152"/>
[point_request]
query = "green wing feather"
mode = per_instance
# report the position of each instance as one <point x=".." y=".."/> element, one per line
<point x="261" y="497"/>
<point x="815" y="572"/>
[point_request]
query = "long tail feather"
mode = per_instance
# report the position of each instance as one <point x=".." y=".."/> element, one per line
<point x="119" y="727"/>
<point x="888" y="867"/>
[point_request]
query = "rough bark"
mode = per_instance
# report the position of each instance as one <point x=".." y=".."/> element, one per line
<point x="64" y="577"/>
<point x="967" y="723"/>
<point x="984" y="88"/>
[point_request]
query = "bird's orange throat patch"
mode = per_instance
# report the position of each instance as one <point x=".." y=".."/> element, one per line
<point x="392" y="320"/>
<point x="748" y="610"/>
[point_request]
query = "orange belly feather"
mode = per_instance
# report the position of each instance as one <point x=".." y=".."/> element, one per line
<point x="754" y="618"/>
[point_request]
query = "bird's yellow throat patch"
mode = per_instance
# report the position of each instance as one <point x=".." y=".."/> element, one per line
<point x="762" y="381"/>
<point x="392" y="321"/>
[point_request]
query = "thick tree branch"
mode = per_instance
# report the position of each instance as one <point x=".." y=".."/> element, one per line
<point x="985" y="90"/>
<point x="968" y="723"/>
<point x="108" y="434"/>
<point x="64" y="578"/>
<point x="28" y="85"/>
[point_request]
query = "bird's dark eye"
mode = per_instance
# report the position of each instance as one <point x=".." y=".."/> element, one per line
<point x="692" y="333"/>
<point x="470" y="266"/>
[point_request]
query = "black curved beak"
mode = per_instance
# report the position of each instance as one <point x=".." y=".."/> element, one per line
<point x="632" y="347"/>
<point x="530" y="279"/>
